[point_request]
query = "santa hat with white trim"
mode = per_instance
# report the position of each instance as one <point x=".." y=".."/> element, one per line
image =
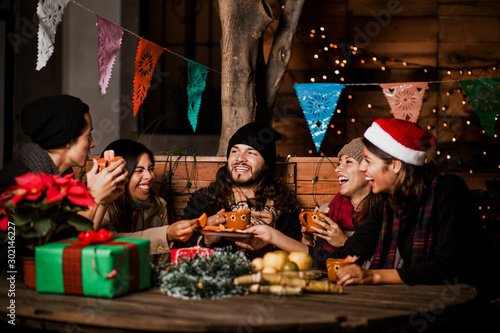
<point x="401" y="139"/>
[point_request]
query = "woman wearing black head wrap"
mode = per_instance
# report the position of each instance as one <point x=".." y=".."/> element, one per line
<point x="60" y="129"/>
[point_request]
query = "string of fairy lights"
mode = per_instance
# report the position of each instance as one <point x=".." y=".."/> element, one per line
<point x="341" y="57"/>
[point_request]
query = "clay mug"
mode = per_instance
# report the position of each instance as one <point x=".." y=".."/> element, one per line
<point x="237" y="219"/>
<point x="333" y="265"/>
<point x="102" y="163"/>
<point x="108" y="158"/>
<point x="306" y="218"/>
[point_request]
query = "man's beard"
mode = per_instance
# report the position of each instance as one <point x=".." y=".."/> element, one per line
<point x="254" y="179"/>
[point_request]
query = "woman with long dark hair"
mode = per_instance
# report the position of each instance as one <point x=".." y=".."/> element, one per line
<point x="139" y="213"/>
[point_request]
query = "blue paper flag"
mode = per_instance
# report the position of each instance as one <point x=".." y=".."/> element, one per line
<point x="197" y="76"/>
<point x="318" y="102"/>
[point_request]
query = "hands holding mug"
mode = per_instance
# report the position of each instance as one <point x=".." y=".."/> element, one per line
<point x="320" y="225"/>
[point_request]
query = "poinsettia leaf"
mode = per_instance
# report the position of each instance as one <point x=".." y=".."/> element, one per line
<point x="80" y="223"/>
<point x="21" y="218"/>
<point x="8" y="204"/>
<point x="73" y="209"/>
<point x="40" y="228"/>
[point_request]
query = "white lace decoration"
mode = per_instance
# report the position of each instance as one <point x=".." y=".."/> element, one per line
<point x="50" y="14"/>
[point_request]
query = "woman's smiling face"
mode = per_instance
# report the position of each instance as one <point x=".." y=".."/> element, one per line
<point x="141" y="178"/>
<point x="351" y="180"/>
<point x="380" y="176"/>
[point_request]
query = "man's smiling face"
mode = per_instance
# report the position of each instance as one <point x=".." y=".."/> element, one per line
<point x="246" y="165"/>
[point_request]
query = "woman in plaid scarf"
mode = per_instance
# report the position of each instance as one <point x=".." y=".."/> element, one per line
<point x="425" y="229"/>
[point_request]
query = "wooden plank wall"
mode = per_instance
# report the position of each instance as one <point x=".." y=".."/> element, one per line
<point x="177" y="177"/>
<point x="436" y="35"/>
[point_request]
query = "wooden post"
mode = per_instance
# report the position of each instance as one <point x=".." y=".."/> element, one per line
<point x="248" y="85"/>
<point x="243" y="23"/>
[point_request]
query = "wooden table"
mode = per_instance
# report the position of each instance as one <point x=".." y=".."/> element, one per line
<point x="385" y="308"/>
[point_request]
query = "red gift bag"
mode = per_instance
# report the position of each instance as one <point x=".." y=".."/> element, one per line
<point x="177" y="255"/>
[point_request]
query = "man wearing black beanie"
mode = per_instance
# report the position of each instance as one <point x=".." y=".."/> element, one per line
<point x="247" y="182"/>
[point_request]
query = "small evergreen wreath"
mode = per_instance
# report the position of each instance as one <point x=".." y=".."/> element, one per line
<point x="205" y="278"/>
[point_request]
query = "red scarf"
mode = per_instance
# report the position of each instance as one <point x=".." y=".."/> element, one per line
<point x="341" y="213"/>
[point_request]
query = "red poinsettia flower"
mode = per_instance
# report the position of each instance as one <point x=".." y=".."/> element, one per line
<point x="79" y="195"/>
<point x="41" y="205"/>
<point x="55" y="193"/>
<point x="33" y="183"/>
<point x="4" y="220"/>
<point x="18" y="194"/>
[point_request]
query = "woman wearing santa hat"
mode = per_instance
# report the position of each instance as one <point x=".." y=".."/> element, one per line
<point x="427" y="228"/>
<point x="424" y="231"/>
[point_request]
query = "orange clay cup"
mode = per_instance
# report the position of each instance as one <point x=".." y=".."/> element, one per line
<point x="237" y="219"/>
<point x="102" y="163"/>
<point x="306" y="218"/>
<point x="108" y="158"/>
<point x="333" y="265"/>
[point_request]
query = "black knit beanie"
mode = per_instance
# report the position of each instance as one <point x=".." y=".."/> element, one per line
<point x="53" y="121"/>
<point x="259" y="137"/>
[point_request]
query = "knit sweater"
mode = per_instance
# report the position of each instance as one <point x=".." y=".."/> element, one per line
<point x="32" y="158"/>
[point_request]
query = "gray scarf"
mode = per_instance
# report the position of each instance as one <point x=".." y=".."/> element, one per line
<point x="144" y="208"/>
<point x="37" y="159"/>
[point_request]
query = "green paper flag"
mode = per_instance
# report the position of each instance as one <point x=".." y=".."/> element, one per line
<point x="197" y="75"/>
<point x="485" y="99"/>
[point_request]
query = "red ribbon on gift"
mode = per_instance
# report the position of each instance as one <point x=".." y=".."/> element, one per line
<point x="91" y="237"/>
<point x="72" y="260"/>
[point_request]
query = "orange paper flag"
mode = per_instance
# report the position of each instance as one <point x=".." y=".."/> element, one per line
<point x="145" y="62"/>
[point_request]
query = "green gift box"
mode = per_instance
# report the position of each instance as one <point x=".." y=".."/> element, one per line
<point x="108" y="269"/>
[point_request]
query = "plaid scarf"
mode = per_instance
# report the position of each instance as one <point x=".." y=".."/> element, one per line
<point x="268" y="216"/>
<point x="422" y="238"/>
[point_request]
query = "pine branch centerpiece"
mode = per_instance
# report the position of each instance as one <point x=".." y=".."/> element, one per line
<point x="206" y="278"/>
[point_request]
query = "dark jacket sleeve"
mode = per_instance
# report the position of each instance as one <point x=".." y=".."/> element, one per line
<point x="289" y="224"/>
<point x="362" y="243"/>
<point x="196" y="206"/>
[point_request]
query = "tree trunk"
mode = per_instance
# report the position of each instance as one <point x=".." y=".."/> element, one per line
<point x="243" y="23"/>
<point x="248" y="85"/>
<point x="280" y="55"/>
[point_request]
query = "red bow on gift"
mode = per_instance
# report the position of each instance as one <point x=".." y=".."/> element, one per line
<point x="91" y="237"/>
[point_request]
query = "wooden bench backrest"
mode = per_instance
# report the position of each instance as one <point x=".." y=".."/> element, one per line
<point x="312" y="179"/>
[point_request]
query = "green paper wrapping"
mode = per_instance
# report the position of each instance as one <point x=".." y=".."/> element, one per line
<point x="107" y="257"/>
